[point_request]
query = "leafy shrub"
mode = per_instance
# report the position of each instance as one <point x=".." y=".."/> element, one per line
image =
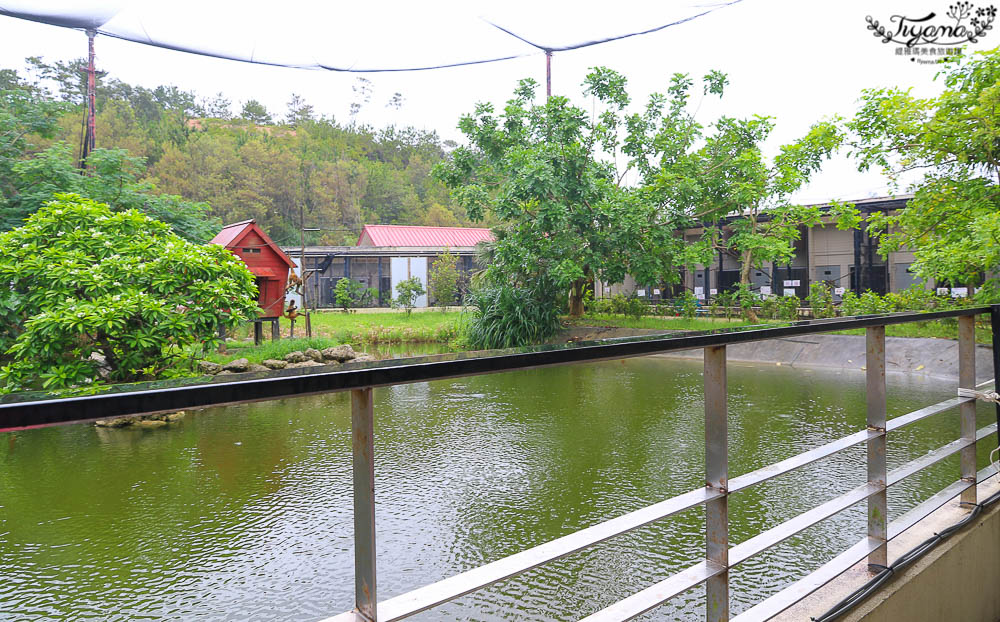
<point x="407" y="292"/>
<point x="602" y="306"/>
<point x="350" y="293"/>
<point x="747" y="299"/>
<point x="442" y="283"/>
<point x="635" y="308"/>
<point x="618" y="304"/>
<point x="788" y="307"/>
<point x="849" y="304"/>
<point x="88" y="287"/>
<point x="504" y="316"/>
<point x="821" y="300"/>
<point x="913" y="298"/>
<point x="687" y="305"/>
<point x="713" y="307"/>
<point x="727" y="300"/>
<point x="769" y="307"/>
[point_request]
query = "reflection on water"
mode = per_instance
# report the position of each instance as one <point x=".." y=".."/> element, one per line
<point x="244" y="512"/>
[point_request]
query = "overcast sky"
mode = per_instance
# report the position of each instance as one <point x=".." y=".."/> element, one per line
<point x="795" y="61"/>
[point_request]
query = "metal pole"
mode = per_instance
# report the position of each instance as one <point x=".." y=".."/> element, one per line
<point x="967" y="411"/>
<point x="363" y="449"/>
<point x="875" y="395"/>
<point x="995" y="326"/>
<point x="717" y="477"/>
<point x="548" y="73"/>
<point x="90" y="137"/>
<point x="302" y="266"/>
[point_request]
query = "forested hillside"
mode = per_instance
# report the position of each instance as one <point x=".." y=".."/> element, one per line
<point x="197" y="162"/>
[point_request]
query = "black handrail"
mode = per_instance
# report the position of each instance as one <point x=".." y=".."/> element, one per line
<point x="38" y="410"/>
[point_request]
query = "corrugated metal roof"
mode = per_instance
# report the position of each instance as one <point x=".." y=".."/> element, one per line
<point x="232" y="234"/>
<point x="404" y="235"/>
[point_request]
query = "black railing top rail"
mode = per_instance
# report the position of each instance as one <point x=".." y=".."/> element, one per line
<point x="44" y="409"/>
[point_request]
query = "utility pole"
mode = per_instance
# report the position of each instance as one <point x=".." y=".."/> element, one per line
<point x="302" y="267"/>
<point x="90" y="136"/>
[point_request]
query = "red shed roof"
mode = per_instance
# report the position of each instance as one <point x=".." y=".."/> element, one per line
<point x="406" y="235"/>
<point x="231" y="235"/>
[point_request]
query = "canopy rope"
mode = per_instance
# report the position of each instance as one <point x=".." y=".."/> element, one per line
<point x="986" y="396"/>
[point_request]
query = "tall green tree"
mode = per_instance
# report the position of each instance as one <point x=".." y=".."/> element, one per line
<point x="534" y="168"/>
<point x="255" y="112"/>
<point x="342" y="175"/>
<point x="113" y="178"/>
<point x="547" y="173"/>
<point x="951" y="143"/>
<point x="718" y="176"/>
<point x="25" y="113"/>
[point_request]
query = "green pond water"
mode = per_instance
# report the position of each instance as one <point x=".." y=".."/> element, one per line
<point x="244" y="512"/>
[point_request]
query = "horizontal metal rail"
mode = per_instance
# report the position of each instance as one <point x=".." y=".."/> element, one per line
<point x="789" y="596"/>
<point x="904" y="420"/>
<point x="767" y="609"/>
<point x="936" y="455"/>
<point x="636" y="604"/>
<point x="18" y="412"/>
<point x="790" y="464"/>
<point x="447" y="589"/>
<point x="655" y="595"/>
<point x="766" y="539"/>
<point x="309" y="381"/>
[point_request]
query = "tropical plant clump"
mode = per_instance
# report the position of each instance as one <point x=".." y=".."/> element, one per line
<point x="93" y="292"/>
<point x="505" y="316"/>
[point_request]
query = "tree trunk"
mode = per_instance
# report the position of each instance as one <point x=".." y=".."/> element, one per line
<point x="576" y="298"/>
<point x="746" y="262"/>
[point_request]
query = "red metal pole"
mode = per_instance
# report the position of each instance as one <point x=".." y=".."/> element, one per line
<point x="90" y="140"/>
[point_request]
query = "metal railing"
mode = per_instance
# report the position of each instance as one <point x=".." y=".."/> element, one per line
<point x="720" y="557"/>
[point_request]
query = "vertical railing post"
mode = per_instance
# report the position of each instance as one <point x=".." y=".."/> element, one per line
<point x="875" y="397"/>
<point x="967" y="410"/>
<point x="995" y="329"/>
<point x="363" y="450"/>
<point x="717" y="477"/>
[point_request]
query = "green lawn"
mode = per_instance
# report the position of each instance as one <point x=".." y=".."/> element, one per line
<point x="374" y="328"/>
<point x="362" y="331"/>
<point x="657" y="323"/>
<point x="939" y="329"/>
<point x="370" y="330"/>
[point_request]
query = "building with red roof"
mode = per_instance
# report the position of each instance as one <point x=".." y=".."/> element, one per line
<point x="385" y="255"/>
<point x="265" y="259"/>
<point x="414" y="236"/>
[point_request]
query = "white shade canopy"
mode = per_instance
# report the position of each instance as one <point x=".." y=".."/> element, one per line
<point x="367" y="36"/>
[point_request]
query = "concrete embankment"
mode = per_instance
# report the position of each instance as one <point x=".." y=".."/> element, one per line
<point x="936" y="358"/>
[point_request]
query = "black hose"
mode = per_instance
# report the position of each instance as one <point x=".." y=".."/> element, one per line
<point x="907" y="558"/>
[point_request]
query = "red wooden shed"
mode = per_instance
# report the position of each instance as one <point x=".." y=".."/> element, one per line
<point x="264" y="259"/>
